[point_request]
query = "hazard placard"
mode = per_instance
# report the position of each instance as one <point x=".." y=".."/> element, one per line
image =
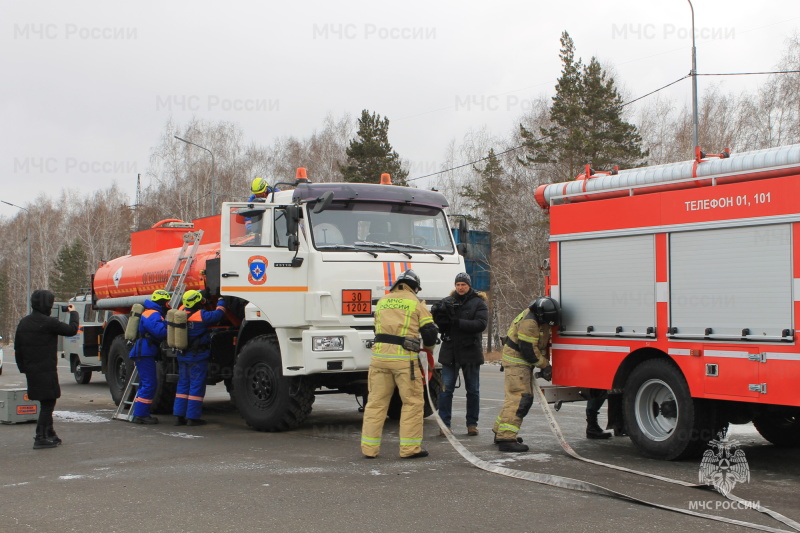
<point x="356" y="301"/>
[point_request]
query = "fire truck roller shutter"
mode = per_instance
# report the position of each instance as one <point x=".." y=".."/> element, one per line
<point x="607" y="283"/>
<point x="731" y="279"/>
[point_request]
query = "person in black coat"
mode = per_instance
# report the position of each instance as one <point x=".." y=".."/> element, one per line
<point x="462" y="318"/>
<point x="35" y="346"/>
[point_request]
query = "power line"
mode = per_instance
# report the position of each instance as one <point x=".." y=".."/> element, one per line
<point x="751" y="73"/>
<point x="659" y="89"/>
<point x="539" y="139"/>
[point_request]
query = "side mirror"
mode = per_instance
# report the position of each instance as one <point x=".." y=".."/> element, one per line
<point x="292" y="220"/>
<point x="463" y="229"/>
<point x="463" y="249"/>
<point x="323" y="202"/>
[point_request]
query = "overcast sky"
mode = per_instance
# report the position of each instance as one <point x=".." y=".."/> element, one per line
<point x="89" y="86"/>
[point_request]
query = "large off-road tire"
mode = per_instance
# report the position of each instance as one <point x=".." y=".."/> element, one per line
<point x="434" y="387"/>
<point x="781" y="428"/>
<point x="120" y="367"/>
<point x="266" y="399"/>
<point x="663" y="420"/>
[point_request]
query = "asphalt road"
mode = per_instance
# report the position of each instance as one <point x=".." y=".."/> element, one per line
<point x="112" y="476"/>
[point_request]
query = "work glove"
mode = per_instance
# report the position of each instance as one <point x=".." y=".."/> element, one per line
<point x="221" y="302"/>
<point x="547" y="373"/>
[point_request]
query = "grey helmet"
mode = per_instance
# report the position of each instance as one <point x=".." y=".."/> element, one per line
<point x="410" y="278"/>
<point x="546" y="310"/>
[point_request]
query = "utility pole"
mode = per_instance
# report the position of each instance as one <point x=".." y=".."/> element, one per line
<point x="695" y="120"/>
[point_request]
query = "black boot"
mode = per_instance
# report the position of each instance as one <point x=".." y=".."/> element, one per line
<point x="594" y="431"/>
<point x="519" y="439"/>
<point x="512" y="446"/>
<point x="51" y="434"/>
<point x="41" y="441"/>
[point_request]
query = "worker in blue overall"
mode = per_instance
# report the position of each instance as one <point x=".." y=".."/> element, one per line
<point x="193" y="362"/>
<point x="146" y="351"/>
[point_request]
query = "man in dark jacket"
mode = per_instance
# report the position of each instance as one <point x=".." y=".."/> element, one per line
<point x="35" y="345"/>
<point x="462" y="318"/>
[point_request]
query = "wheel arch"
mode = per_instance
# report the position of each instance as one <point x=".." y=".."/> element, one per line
<point x="634" y="359"/>
<point x="115" y="326"/>
<point x="250" y="330"/>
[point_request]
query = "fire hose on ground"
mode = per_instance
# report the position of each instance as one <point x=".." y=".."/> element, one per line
<point x="584" y="486"/>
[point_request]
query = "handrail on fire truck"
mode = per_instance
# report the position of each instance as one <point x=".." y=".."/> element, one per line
<point x="631" y="188"/>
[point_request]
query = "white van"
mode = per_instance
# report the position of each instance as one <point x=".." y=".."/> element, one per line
<point x="83" y="348"/>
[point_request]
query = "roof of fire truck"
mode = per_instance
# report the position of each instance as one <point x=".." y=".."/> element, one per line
<point x="715" y="169"/>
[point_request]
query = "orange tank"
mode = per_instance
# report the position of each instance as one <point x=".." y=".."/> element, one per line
<point x="154" y="253"/>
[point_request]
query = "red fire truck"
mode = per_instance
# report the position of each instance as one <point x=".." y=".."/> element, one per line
<point x="680" y="292"/>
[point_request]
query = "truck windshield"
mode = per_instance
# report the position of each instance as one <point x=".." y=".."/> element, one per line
<point x="382" y="226"/>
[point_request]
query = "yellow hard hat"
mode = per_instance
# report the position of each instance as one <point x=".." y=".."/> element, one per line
<point x="192" y="298"/>
<point x="160" y="296"/>
<point x="259" y="186"/>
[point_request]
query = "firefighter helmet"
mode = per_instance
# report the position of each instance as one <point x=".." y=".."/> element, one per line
<point x="160" y="297"/>
<point x="191" y="299"/>
<point x="410" y="278"/>
<point x="546" y="310"/>
<point x="259" y="186"/>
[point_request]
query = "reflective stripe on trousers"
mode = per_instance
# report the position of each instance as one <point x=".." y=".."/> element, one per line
<point x="383" y="377"/>
<point x="518" y="381"/>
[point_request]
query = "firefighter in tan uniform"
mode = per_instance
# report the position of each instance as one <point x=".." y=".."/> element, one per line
<point x="400" y="319"/>
<point x="525" y="348"/>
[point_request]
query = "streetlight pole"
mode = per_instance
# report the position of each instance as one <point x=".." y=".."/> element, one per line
<point x="695" y="136"/>
<point x="28" y="284"/>
<point x="213" y="177"/>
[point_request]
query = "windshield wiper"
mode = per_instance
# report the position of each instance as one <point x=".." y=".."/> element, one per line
<point x="381" y="245"/>
<point x="418" y="247"/>
<point x="345" y="247"/>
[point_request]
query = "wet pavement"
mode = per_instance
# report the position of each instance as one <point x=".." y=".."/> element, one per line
<point x="112" y="476"/>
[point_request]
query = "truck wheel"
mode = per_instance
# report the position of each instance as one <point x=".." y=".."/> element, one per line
<point x="266" y="399"/>
<point x="396" y="404"/>
<point x="82" y="376"/>
<point x="663" y="420"/>
<point x="120" y="367"/>
<point x="164" y="399"/>
<point x="780" y="428"/>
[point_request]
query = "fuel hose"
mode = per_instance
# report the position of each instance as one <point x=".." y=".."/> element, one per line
<point x="585" y="486"/>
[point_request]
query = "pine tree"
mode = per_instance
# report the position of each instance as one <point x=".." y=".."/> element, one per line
<point x="69" y="272"/>
<point x="370" y="154"/>
<point x="586" y="122"/>
<point x="487" y="201"/>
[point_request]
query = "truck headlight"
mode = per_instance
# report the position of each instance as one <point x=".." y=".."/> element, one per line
<point x="327" y="344"/>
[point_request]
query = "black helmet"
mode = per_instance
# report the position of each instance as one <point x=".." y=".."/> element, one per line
<point x="410" y="278"/>
<point x="546" y="310"/>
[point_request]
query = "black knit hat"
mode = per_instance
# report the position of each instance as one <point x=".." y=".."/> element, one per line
<point x="464" y="278"/>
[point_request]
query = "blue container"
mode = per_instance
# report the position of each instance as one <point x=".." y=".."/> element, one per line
<point x="480" y="246"/>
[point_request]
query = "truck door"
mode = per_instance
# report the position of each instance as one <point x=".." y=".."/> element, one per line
<point x="257" y="265"/>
